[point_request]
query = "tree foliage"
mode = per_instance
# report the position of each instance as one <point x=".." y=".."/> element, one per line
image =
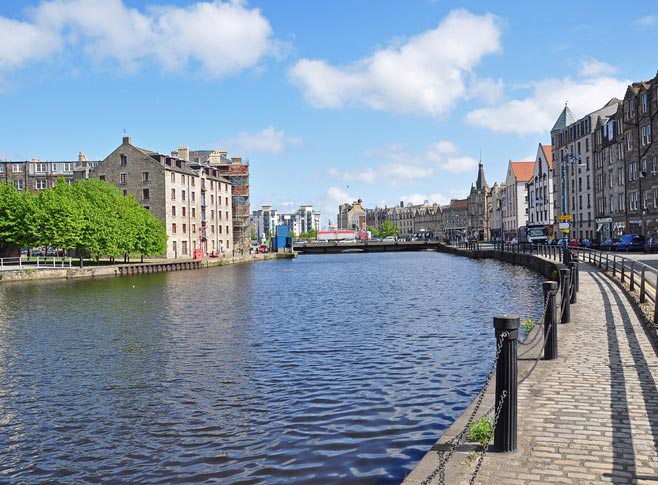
<point x="91" y="216"/>
<point x="388" y="229"/>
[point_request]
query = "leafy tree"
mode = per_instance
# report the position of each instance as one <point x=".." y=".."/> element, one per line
<point x="17" y="218"/>
<point x="60" y="220"/>
<point x="388" y="229"/>
<point x="373" y="231"/>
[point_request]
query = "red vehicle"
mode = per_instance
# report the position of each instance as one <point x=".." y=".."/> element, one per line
<point x="263" y="248"/>
<point x="573" y="243"/>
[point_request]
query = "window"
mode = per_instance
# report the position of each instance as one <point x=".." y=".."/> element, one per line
<point x="182" y="178"/>
<point x="19" y="185"/>
<point x="182" y="195"/>
<point x="227" y="215"/>
<point x="654" y="167"/>
<point x="193" y="182"/>
<point x="40" y="167"/>
<point x="173" y="177"/>
<point x="125" y="193"/>
<point x="193" y="212"/>
<point x="184" y="247"/>
<point x="629" y="141"/>
<point x="645" y="106"/>
<point x="123" y="178"/>
<point x="212" y="199"/>
<point x="620" y="151"/>
<point x="145" y="194"/>
<point x="2" y="168"/>
<point x="212" y="214"/>
<point x="655" y="198"/>
<point x="173" y="228"/>
<point x="173" y="194"/>
<point x="184" y="228"/>
<point x="68" y="167"/>
<point x="101" y="177"/>
<point x="212" y="229"/>
<point x="220" y="229"/>
<point x="620" y="176"/>
<point x="227" y="230"/>
<point x="644" y="167"/>
<point x="632" y="201"/>
<point x="183" y="211"/>
<point x="173" y="247"/>
<point x="40" y="184"/>
<point x="173" y="210"/>
<point x="193" y="228"/>
<point x="226" y="201"/>
<point x="123" y="160"/>
<point x="193" y="194"/>
<point x="612" y="204"/>
<point x="145" y="177"/>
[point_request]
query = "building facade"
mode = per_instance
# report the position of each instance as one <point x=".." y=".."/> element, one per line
<point x="36" y="175"/>
<point x="540" y="189"/>
<point x="479" y="208"/>
<point x="351" y="216"/>
<point x="192" y="200"/>
<point x="514" y="198"/>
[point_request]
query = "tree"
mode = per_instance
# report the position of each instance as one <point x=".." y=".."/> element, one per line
<point x="373" y="231"/>
<point x="60" y="220"/>
<point x="388" y="229"/>
<point x="17" y="215"/>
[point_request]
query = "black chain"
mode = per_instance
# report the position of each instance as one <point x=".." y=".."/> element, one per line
<point x="457" y="440"/>
<point x="503" y="395"/>
<point x="550" y="326"/>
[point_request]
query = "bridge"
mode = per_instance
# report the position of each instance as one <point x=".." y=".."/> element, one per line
<point x="333" y="247"/>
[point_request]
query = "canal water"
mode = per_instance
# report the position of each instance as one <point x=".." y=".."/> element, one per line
<point x="336" y="369"/>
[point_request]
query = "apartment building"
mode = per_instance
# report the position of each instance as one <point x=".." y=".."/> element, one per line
<point x="192" y="199"/>
<point x="455" y="220"/>
<point x="351" y="216"/>
<point x="572" y="156"/>
<point x="540" y="188"/>
<point x="514" y="198"/>
<point x="37" y="174"/>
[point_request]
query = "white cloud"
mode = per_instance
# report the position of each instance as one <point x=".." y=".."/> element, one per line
<point x="646" y="21"/>
<point x="269" y="141"/>
<point x="217" y="38"/>
<point x="443" y="155"/>
<point x="537" y="112"/>
<point x="593" y="68"/>
<point x="424" y="75"/>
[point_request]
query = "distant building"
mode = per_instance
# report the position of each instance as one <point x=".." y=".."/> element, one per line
<point x="351" y="216"/>
<point x="479" y="205"/>
<point x="540" y="189"/>
<point x="514" y="198"/>
<point x="191" y="199"/>
<point x="455" y="220"/>
<point x="36" y="175"/>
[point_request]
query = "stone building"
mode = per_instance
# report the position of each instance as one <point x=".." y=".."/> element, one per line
<point x="479" y="207"/>
<point x="514" y="198"/>
<point x="571" y="141"/>
<point x="640" y="108"/>
<point x="455" y="220"/>
<point x="191" y="199"/>
<point x="37" y="175"/>
<point x="351" y="216"/>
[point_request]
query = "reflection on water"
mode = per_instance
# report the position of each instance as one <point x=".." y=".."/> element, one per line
<point x="325" y="369"/>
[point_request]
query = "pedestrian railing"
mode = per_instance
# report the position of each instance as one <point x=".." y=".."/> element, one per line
<point x="37" y="262"/>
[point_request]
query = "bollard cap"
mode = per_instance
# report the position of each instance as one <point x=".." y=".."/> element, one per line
<point x="506" y="322"/>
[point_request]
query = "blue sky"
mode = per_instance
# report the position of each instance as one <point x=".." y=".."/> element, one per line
<point x="383" y="100"/>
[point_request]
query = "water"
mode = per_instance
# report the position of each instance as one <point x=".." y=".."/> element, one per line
<point x="337" y="369"/>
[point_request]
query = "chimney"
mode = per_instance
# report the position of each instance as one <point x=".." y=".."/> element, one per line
<point x="236" y="160"/>
<point x="184" y="152"/>
<point x="82" y="157"/>
<point x="126" y="140"/>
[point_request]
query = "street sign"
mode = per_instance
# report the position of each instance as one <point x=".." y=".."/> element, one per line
<point x="564" y="225"/>
<point x="566" y="231"/>
<point x="565" y="217"/>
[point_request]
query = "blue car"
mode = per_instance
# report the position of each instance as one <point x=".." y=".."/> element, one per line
<point x="631" y="242"/>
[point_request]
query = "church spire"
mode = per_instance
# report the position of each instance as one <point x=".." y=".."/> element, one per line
<point x="481" y="181"/>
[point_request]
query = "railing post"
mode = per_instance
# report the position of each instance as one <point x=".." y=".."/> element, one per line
<point x="643" y="293"/>
<point x="623" y="270"/>
<point x="573" y="291"/>
<point x="614" y="265"/>
<point x="632" y="276"/>
<point x="565" y="277"/>
<point x="550" y="320"/>
<point x="507" y="328"/>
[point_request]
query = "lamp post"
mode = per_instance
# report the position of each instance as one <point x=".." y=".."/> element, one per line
<point x="642" y="206"/>
<point x="572" y="158"/>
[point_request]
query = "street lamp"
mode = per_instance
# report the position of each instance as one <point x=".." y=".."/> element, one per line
<point x="572" y="158"/>
<point x="643" y="174"/>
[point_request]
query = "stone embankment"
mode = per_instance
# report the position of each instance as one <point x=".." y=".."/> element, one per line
<point x="588" y="417"/>
<point x="28" y="273"/>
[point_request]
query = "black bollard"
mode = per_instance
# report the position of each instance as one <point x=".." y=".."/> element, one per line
<point x="565" y="276"/>
<point x="506" y="381"/>
<point x="550" y="320"/>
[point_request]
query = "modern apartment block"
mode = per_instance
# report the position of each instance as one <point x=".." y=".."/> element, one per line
<point x="540" y="188"/>
<point x="192" y="199"/>
<point x="263" y="222"/>
<point x="37" y="175"/>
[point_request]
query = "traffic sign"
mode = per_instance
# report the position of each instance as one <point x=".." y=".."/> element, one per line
<point x="565" y="217"/>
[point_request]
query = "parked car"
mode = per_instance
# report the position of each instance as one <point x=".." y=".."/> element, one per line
<point x="389" y="239"/>
<point x="608" y="244"/>
<point x="651" y="245"/>
<point x="631" y="242"/>
<point x="263" y="249"/>
<point x="586" y="243"/>
<point x="514" y="241"/>
<point x="573" y="243"/>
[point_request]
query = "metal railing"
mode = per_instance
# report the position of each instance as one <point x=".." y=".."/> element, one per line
<point x="35" y="262"/>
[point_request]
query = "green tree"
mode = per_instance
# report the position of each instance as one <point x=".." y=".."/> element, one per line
<point x="17" y="218"/>
<point x="60" y="219"/>
<point x="373" y="231"/>
<point x="388" y="229"/>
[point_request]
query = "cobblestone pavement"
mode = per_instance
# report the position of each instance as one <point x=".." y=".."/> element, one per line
<point x="589" y="417"/>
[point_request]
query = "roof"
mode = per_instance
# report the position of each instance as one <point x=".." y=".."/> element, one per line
<point x="565" y="119"/>
<point x="522" y="170"/>
<point x="548" y="154"/>
<point x="458" y="204"/>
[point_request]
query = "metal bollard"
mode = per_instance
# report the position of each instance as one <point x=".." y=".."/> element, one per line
<point x="550" y="320"/>
<point x="565" y="276"/>
<point x="506" y="381"/>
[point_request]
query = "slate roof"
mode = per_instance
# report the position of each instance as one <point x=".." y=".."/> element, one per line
<point x="565" y="119"/>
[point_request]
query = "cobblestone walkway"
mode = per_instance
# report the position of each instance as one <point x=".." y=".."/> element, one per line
<point x="589" y="417"/>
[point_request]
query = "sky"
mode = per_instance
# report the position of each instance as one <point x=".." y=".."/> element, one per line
<point x="386" y="101"/>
